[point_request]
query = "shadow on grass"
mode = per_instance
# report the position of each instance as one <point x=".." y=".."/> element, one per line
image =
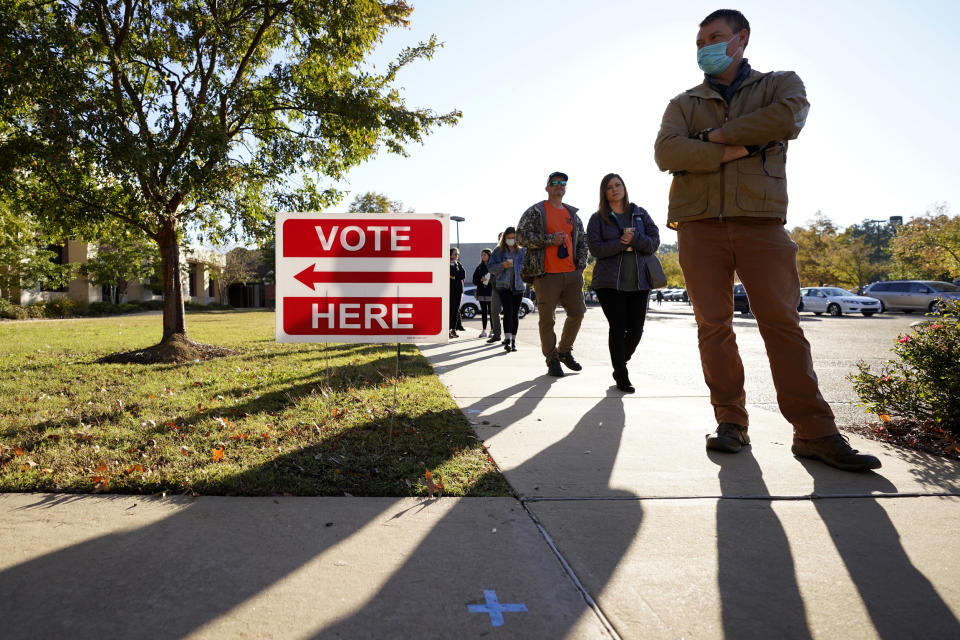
<point x="375" y="458"/>
<point x="318" y="386"/>
<point x="294" y="389"/>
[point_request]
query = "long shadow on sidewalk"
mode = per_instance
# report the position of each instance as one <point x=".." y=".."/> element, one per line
<point x="760" y="596"/>
<point x="166" y="579"/>
<point x="900" y="600"/>
<point x="755" y="567"/>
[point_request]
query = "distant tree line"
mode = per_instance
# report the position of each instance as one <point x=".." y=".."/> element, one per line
<point x="925" y="248"/>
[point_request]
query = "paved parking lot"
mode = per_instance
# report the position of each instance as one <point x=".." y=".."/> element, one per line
<point x="669" y="347"/>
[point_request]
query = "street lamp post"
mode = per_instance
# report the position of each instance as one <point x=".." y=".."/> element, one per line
<point x="458" y="220"/>
<point x="876" y="229"/>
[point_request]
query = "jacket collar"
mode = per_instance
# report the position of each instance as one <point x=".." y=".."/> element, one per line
<point x="705" y="91"/>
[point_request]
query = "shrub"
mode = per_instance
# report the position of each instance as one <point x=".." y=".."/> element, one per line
<point x="923" y="383"/>
<point x="102" y="308"/>
<point x="196" y="306"/>
<point x="35" y="310"/>
<point x="140" y="305"/>
<point x="64" y="308"/>
<point x="8" y="309"/>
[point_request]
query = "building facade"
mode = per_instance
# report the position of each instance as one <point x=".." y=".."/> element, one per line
<point x="198" y="284"/>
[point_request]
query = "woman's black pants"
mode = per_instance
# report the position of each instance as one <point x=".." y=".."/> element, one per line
<point x="510" y="302"/>
<point x="484" y="311"/>
<point x="455" y="297"/>
<point x="626" y="312"/>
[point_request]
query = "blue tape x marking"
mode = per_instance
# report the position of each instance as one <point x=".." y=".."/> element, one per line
<point x="494" y="608"/>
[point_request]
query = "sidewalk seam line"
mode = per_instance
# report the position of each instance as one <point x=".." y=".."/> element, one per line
<point x="607" y="625"/>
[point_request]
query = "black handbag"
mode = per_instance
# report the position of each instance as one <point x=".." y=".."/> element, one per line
<point x="655" y="275"/>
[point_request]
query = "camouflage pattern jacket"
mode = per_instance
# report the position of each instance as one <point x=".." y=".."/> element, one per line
<point x="532" y="234"/>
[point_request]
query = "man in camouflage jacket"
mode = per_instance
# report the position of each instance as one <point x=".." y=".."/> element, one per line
<point x="556" y="256"/>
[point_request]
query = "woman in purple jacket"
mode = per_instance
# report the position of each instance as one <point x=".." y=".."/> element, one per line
<point x="619" y="235"/>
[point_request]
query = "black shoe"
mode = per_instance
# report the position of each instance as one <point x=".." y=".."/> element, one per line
<point x="835" y="451"/>
<point x="513" y="345"/>
<point x="569" y="362"/>
<point x="623" y="382"/>
<point x="554" y="369"/>
<point x="493" y="339"/>
<point x="506" y="346"/>
<point x="728" y="437"/>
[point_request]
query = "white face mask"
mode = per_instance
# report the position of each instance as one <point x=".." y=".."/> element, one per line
<point x="510" y="242"/>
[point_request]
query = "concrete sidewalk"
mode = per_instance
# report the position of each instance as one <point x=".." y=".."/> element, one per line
<point x="674" y="542"/>
<point x="626" y="527"/>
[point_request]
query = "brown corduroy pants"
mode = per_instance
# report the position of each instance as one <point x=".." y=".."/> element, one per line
<point x="761" y="253"/>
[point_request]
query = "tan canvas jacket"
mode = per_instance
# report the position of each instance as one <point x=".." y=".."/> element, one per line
<point x="768" y="107"/>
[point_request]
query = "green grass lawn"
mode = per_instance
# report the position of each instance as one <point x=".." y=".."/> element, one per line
<point x="307" y="419"/>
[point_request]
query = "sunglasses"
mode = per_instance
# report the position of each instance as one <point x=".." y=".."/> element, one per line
<point x="558" y="183"/>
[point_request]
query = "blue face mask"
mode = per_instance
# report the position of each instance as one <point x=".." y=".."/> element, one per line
<point x="713" y="58"/>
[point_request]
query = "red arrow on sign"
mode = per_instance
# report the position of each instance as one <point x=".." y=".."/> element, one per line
<point x="310" y="277"/>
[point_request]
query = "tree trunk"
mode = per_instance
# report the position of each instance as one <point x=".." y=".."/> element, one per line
<point x="173" y="314"/>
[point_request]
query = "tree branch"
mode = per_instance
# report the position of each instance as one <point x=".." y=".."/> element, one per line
<point x="71" y="196"/>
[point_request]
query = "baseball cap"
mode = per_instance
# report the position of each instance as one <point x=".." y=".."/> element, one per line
<point x="557" y="174"/>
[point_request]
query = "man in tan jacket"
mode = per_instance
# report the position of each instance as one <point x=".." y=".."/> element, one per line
<point x="725" y="142"/>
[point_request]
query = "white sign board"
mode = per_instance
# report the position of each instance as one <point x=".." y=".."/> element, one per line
<point x="362" y="277"/>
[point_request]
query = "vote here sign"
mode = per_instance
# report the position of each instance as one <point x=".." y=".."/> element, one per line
<point x="362" y="277"/>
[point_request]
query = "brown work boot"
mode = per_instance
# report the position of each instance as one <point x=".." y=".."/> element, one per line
<point x="835" y="450"/>
<point x="728" y="437"/>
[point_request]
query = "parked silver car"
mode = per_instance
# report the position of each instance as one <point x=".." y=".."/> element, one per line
<point x="912" y="295"/>
<point x="836" y="301"/>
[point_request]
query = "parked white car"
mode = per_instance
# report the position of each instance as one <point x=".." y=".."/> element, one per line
<point x="469" y="307"/>
<point x="836" y="301"/>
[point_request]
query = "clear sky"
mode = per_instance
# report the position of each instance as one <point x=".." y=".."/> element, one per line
<point x="580" y="87"/>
